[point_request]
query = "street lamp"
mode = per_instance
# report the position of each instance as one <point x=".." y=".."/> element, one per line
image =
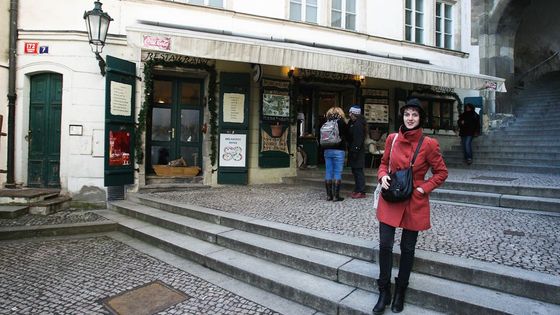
<point x="97" y="24"/>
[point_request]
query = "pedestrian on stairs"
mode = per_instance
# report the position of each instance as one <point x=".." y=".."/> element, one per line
<point x="469" y="127"/>
<point x="412" y="215"/>
<point x="335" y="155"/>
<point x="357" y="130"/>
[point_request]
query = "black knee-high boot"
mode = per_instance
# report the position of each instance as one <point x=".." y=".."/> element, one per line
<point x="398" y="298"/>
<point x="328" y="185"/>
<point x="384" y="297"/>
<point x="337" y="185"/>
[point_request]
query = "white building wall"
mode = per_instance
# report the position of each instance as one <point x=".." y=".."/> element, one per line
<point x="63" y="30"/>
<point x="4" y="61"/>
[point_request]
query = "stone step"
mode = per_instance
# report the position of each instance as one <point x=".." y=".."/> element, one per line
<point x="155" y="180"/>
<point x="24" y="196"/>
<point x="20" y="232"/>
<point x="161" y="187"/>
<point x="457" y="157"/>
<point x="49" y="206"/>
<point x="321" y="293"/>
<point x="545" y="199"/>
<point x="492" y="153"/>
<point x="509" y="141"/>
<point x="548" y="135"/>
<point x="481" y="165"/>
<point x="536" y="147"/>
<point x="11" y="212"/>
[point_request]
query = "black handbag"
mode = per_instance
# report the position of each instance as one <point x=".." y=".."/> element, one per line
<point x="400" y="184"/>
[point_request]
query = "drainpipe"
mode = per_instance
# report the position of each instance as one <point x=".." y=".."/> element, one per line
<point x="10" y="180"/>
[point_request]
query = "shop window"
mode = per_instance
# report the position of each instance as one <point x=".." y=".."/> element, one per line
<point x="303" y="10"/>
<point x="444" y="25"/>
<point x="343" y="14"/>
<point x="414" y="21"/>
<point x="439" y="112"/>
<point x="212" y="3"/>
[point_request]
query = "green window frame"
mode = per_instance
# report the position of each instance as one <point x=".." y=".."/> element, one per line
<point x="439" y="112"/>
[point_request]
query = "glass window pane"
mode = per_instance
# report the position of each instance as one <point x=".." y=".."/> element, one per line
<point x="159" y="155"/>
<point x="161" y="124"/>
<point x="419" y="36"/>
<point x="217" y="3"/>
<point x="408" y="33"/>
<point x="447" y="26"/>
<point x="162" y="92"/>
<point x="438" y="9"/>
<point x="336" y="19"/>
<point x="351" y="6"/>
<point x="295" y="12"/>
<point x="350" y="22"/>
<point x="448" y="42"/>
<point x="408" y="4"/>
<point x="419" y="5"/>
<point x="448" y="11"/>
<point x="337" y="4"/>
<point x="190" y="125"/>
<point x="311" y="14"/>
<point x="408" y="17"/>
<point x="312" y="3"/>
<point x="190" y="94"/>
<point x="196" y="1"/>
<point x="190" y="155"/>
<point x="436" y="109"/>
<point x="438" y="39"/>
<point x="419" y="20"/>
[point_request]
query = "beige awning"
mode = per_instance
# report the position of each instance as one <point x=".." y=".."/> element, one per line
<point x="259" y="51"/>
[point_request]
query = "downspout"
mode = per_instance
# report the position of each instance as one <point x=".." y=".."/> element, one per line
<point x="10" y="179"/>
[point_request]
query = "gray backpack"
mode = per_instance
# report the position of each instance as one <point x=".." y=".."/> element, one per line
<point x="329" y="134"/>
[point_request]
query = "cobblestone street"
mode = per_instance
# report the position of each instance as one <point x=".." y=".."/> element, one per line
<point x="505" y="236"/>
<point x="73" y="277"/>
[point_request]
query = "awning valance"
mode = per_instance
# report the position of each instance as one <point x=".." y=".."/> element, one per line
<point x="259" y="51"/>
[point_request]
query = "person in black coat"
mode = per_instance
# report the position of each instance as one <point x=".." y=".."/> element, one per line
<point x="355" y="138"/>
<point x="469" y="127"/>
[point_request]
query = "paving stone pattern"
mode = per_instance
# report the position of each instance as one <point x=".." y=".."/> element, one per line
<point x="526" y="240"/>
<point x="74" y="276"/>
<point x="62" y="217"/>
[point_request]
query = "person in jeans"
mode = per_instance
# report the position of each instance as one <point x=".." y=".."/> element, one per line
<point x="469" y="127"/>
<point x="335" y="155"/>
<point x="412" y="215"/>
<point x="357" y="129"/>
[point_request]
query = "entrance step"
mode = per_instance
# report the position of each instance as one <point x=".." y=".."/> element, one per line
<point x="36" y="200"/>
<point x="170" y="187"/>
<point x="494" y="195"/>
<point x="331" y="273"/>
<point x="168" y="180"/>
<point x="11" y="212"/>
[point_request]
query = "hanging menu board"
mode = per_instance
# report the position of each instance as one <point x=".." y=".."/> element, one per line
<point x="376" y="105"/>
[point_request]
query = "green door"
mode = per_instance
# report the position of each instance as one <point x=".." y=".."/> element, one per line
<point x="176" y="118"/>
<point x="44" y="131"/>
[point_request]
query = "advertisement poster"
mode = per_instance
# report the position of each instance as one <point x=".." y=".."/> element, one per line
<point x="376" y="113"/>
<point x="276" y="105"/>
<point x="233" y="149"/>
<point x="234" y="106"/>
<point x="119" y="148"/>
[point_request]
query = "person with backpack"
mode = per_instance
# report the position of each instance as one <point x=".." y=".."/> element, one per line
<point x="332" y="141"/>
<point x="357" y="129"/>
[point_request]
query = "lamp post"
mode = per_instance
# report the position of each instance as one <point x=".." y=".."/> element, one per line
<point x="97" y="24"/>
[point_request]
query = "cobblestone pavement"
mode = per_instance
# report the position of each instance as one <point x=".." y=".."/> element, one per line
<point x="526" y="240"/>
<point x="72" y="277"/>
<point x="61" y="217"/>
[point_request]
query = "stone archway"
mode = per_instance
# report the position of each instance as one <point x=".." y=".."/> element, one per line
<point x="505" y="32"/>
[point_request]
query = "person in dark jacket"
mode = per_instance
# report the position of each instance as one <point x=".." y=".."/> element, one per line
<point x="356" y="136"/>
<point x="334" y="156"/>
<point x="469" y="127"/>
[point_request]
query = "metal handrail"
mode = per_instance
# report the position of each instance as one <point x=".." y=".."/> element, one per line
<point x="539" y="65"/>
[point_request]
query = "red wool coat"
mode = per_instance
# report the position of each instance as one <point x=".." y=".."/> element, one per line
<point x="412" y="214"/>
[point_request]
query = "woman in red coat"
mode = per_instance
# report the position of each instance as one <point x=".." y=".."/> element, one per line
<point x="411" y="215"/>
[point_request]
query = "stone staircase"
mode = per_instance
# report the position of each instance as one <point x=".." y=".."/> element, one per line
<point x="530" y="144"/>
<point x="330" y="273"/>
<point x="478" y="193"/>
<point x="17" y="202"/>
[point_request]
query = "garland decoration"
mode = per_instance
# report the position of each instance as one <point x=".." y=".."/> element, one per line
<point x="442" y="93"/>
<point x="195" y="63"/>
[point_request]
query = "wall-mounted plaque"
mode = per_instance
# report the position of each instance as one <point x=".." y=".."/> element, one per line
<point x="376" y="113"/>
<point x="234" y="107"/>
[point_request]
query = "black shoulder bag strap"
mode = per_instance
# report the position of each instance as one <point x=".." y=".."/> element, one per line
<point x="417" y="150"/>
